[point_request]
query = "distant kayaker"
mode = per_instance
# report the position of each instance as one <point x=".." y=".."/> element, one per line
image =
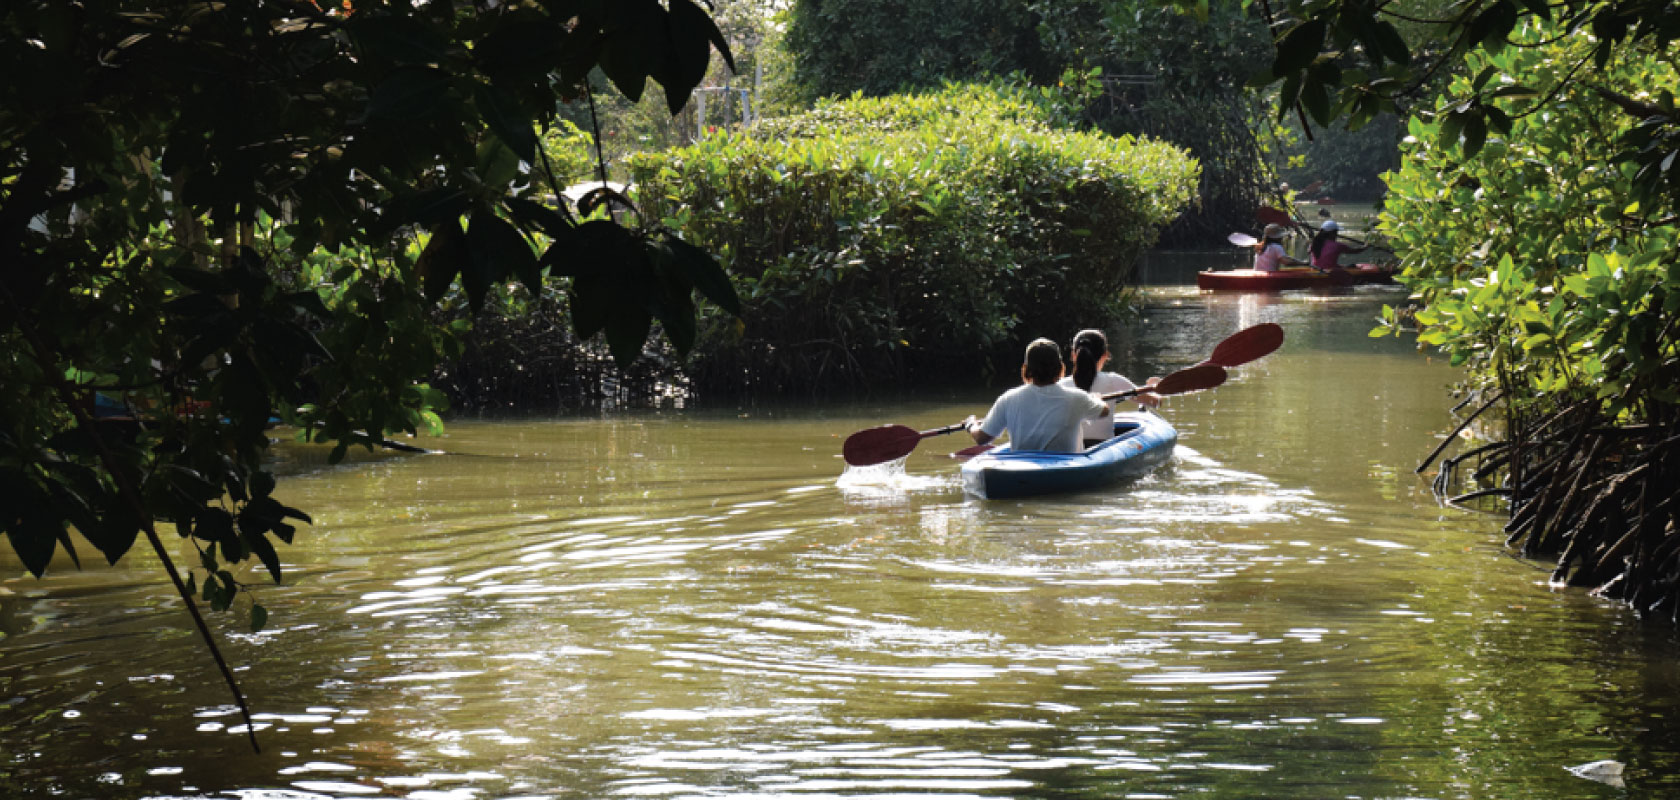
<point x="1327" y="248"/>
<point x="1039" y="414"/>
<point x="1268" y="252"/>
<point x="1090" y="355"/>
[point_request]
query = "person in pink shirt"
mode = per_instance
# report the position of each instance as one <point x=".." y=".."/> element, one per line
<point x="1326" y="249"/>
<point x="1268" y="252"/>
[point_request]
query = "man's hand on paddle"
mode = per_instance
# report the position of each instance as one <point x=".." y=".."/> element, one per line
<point x="1149" y="398"/>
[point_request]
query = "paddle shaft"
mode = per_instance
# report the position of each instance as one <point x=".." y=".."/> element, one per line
<point x="940" y="431"/>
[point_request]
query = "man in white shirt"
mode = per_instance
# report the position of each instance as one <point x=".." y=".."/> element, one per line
<point x="1040" y="414"/>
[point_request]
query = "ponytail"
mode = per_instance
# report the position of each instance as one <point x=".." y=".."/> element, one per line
<point x="1319" y="240"/>
<point x="1088" y="348"/>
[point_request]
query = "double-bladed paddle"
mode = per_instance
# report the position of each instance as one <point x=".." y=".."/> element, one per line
<point x="892" y="442"/>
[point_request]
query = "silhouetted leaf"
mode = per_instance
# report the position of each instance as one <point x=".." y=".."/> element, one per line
<point x="200" y="280"/>
<point x="507" y="121"/>
<point x="499" y="251"/>
<point x="264" y="550"/>
<point x="401" y="38"/>
<point x="34" y="538"/>
<point x="1299" y="47"/>
<point x="408" y="94"/>
<point x="550" y="220"/>
<point x="443" y="259"/>
<point x="705" y="273"/>
<point x="635" y="45"/>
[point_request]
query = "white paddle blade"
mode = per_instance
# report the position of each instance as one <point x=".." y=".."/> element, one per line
<point x="1242" y="240"/>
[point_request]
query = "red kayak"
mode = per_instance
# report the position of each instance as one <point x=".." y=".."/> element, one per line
<point x="1249" y="280"/>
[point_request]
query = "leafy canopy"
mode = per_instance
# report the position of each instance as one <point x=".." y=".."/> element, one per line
<point x="207" y="210"/>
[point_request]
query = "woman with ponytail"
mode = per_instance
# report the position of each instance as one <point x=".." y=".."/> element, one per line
<point x="1090" y="354"/>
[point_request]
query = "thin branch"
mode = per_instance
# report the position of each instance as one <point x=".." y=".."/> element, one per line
<point x="131" y="496"/>
<point x="1556" y="90"/>
<point x="595" y="124"/>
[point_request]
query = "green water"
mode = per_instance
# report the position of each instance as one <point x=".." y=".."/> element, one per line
<point x="699" y="603"/>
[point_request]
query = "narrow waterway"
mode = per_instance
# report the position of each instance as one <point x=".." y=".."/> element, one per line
<point x="702" y="603"/>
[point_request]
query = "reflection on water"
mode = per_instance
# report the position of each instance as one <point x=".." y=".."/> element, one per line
<point x="693" y="604"/>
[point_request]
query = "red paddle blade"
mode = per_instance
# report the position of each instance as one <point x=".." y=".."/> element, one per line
<point x="969" y="452"/>
<point x="1272" y="216"/>
<point x="1191" y="379"/>
<point x="1247" y="344"/>
<point x="879" y="445"/>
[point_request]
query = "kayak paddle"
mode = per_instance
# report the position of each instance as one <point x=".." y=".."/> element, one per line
<point x="1247" y="345"/>
<point x="887" y="443"/>
<point x="1276" y="216"/>
<point x="892" y="442"/>
<point x="1242" y="240"/>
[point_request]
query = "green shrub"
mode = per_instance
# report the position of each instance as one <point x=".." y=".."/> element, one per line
<point x="878" y="239"/>
<point x="1536" y="270"/>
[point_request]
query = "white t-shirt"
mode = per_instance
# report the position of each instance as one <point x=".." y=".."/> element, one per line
<point x="1042" y="417"/>
<point x="1104" y="383"/>
<point x="1269" y="258"/>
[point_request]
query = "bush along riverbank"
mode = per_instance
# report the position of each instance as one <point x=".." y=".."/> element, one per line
<point x="879" y="241"/>
<point x="1542" y="247"/>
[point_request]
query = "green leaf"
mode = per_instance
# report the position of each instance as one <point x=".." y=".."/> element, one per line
<point x="1483" y="77"/>
<point x="1475" y="135"/>
<point x="1540" y="8"/>
<point x="1392" y="44"/>
<point x="1316" y="99"/>
<point x="1515" y="91"/>
<point x="1289" y="95"/>
<point x="1451" y="128"/>
<point x="259" y="618"/>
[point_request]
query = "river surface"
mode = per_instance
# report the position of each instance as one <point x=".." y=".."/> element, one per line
<point x="703" y="603"/>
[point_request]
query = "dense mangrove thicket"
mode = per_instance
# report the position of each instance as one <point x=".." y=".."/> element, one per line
<point x="1150" y="70"/>
<point x="1174" y="71"/>
<point x="879" y="240"/>
<point x="1547" y="266"/>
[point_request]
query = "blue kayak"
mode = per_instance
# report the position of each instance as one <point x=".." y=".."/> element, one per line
<point x="1142" y="441"/>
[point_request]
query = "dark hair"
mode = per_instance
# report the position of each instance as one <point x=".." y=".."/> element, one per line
<point x="1043" y="362"/>
<point x="1088" y="348"/>
<point x="1318" y="241"/>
